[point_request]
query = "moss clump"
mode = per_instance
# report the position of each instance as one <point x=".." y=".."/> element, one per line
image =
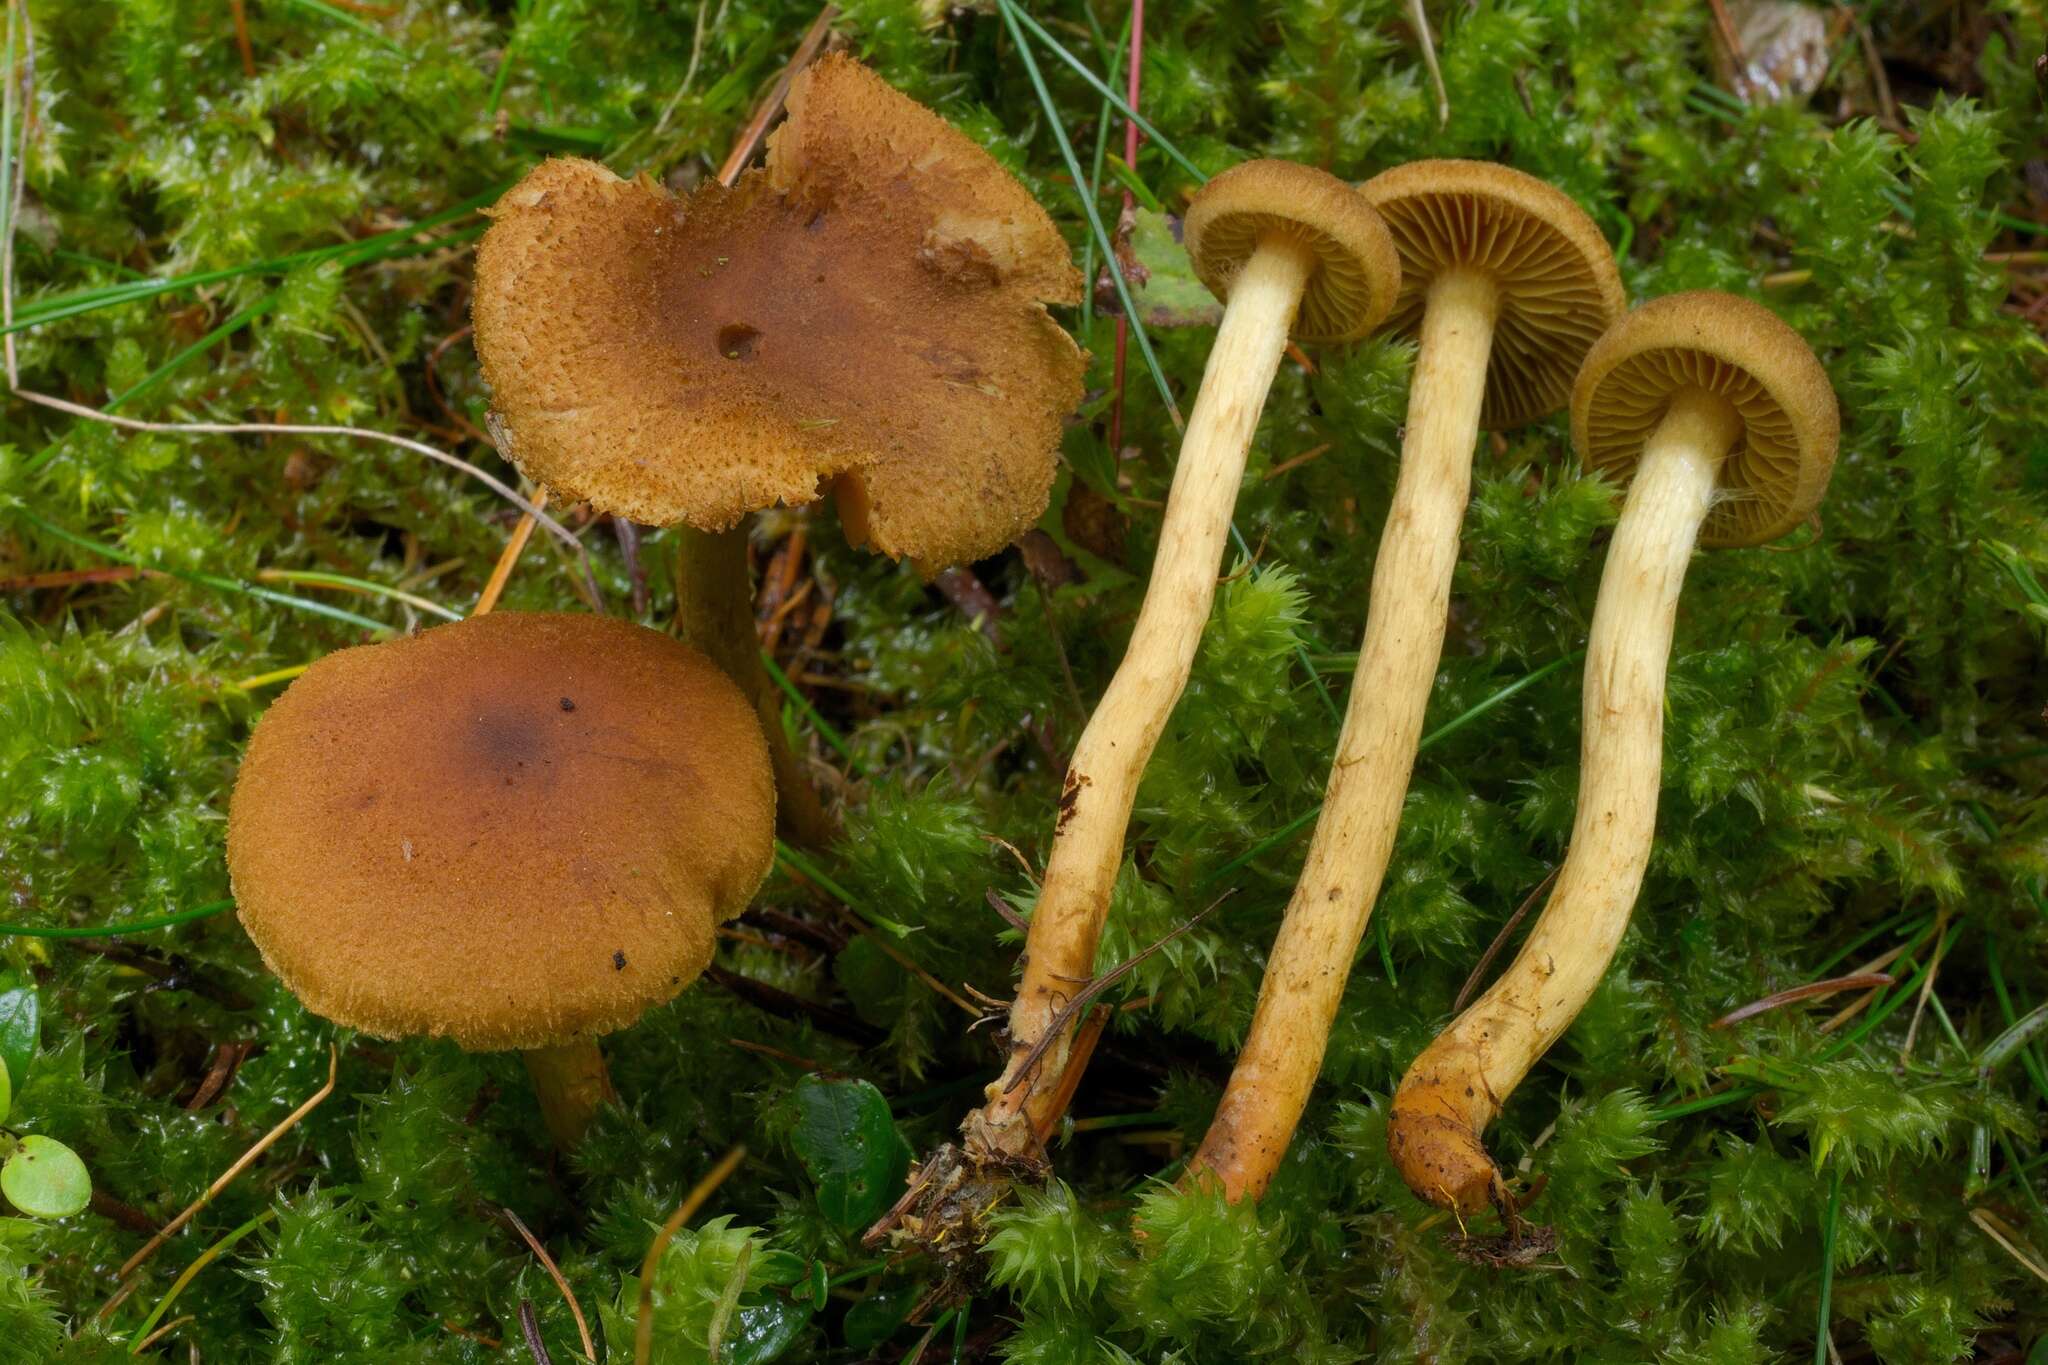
<point x="1854" y="752"/>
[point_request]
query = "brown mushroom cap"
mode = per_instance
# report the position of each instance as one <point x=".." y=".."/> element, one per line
<point x="1357" y="274"/>
<point x="1559" y="288"/>
<point x="1775" y="475"/>
<point x="515" y="832"/>
<point x="870" y="306"/>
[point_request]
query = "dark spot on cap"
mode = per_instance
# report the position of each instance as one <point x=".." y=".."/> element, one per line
<point x="568" y="705"/>
<point x="619" y="960"/>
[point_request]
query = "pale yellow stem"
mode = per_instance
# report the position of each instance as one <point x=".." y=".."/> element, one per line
<point x="1102" y="778"/>
<point x="1354" y="836"/>
<point x="1461" y="1080"/>
<point x="571" y="1083"/>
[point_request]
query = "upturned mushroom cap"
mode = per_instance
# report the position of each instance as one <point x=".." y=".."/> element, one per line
<point x="1559" y="288"/>
<point x="515" y="832"/>
<point x="1774" y="477"/>
<point x="870" y="307"/>
<point x="1357" y="275"/>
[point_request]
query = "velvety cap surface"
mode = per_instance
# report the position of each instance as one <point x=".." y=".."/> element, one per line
<point x="1559" y="288"/>
<point x="1357" y="274"/>
<point x="1774" y="477"/>
<point x="514" y="831"/>
<point x="869" y="308"/>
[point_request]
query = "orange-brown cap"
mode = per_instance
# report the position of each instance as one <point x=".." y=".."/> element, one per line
<point x="1774" y="476"/>
<point x="1356" y="275"/>
<point x="1559" y="288"/>
<point x="516" y="831"/>
<point x="870" y="307"/>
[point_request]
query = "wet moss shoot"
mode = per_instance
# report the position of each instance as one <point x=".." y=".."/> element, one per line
<point x="1801" y="1118"/>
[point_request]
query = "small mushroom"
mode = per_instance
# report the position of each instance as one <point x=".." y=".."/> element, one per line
<point x="1722" y="423"/>
<point x="1289" y="249"/>
<point x="519" y="831"/>
<point x="865" y="313"/>
<point x="1506" y="283"/>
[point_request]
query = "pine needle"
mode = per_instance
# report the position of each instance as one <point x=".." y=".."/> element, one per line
<point x="227" y="1177"/>
<point x="547" y="1263"/>
<point x="643" y="1331"/>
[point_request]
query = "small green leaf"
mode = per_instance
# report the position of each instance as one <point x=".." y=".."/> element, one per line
<point x="1163" y="278"/>
<point x="45" y="1179"/>
<point x="849" y="1144"/>
<point x="21" y="1018"/>
<point x="6" y="1091"/>
<point x="875" y="1318"/>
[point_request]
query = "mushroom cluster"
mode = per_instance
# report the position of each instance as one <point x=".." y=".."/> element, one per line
<point x="521" y="831"/>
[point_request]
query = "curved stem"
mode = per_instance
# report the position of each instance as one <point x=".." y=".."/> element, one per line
<point x="1102" y="778"/>
<point x="715" y="614"/>
<point x="571" y="1082"/>
<point x="1354" y="837"/>
<point x="1461" y="1080"/>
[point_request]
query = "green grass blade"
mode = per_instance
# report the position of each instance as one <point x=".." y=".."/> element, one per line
<point x="1016" y="15"/>
<point x="133" y="926"/>
<point x="155" y="377"/>
<point x="216" y="581"/>
<point x="1102" y="239"/>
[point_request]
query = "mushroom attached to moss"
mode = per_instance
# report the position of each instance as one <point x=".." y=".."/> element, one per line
<point x="1505" y="282"/>
<point x="1290" y="250"/>
<point x="1723" y="424"/>
<point x="516" y="832"/>
<point x="867" y="313"/>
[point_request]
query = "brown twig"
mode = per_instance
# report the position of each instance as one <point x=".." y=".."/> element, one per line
<point x="242" y="39"/>
<point x="775" y="1000"/>
<point x="1479" y="970"/>
<point x="547" y="1263"/>
<point x="1737" y="61"/>
<point x="903" y="960"/>
<point x="1926" y="986"/>
<point x="643" y="1331"/>
<point x="814" y="40"/>
<point x="1812" y="990"/>
<point x="227" y="1177"/>
<point x="529" y="1327"/>
<point x="1297" y="461"/>
<point x="790" y="1058"/>
<point x="1058" y="1025"/>
<point x="227" y="1058"/>
<point x="501" y="572"/>
<point x="71" y="578"/>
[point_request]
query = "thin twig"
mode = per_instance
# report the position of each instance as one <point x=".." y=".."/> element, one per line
<point x="1002" y="907"/>
<point x="1812" y="990"/>
<point x="1479" y="970"/>
<point x="1133" y="83"/>
<point x="529" y="1327"/>
<point x="1094" y="988"/>
<point x="1420" y="22"/>
<point x="1926" y="986"/>
<point x="227" y="1177"/>
<point x="2003" y="1233"/>
<point x="242" y="39"/>
<point x="501" y="573"/>
<point x="547" y="1263"/>
<point x="175" y="1323"/>
<point x="643" y="1332"/>
<point x="814" y="40"/>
